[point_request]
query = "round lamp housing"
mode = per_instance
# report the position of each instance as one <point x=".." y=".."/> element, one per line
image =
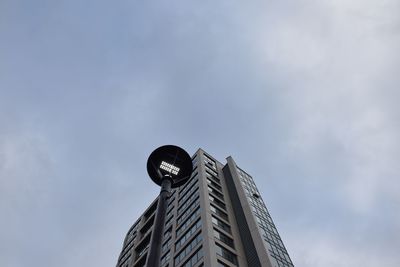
<point x="172" y="162"/>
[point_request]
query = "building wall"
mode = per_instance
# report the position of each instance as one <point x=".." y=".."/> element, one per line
<point x="210" y="222"/>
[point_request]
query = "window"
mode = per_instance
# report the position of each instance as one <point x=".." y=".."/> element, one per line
<point x="209" y="162"/>
<point x="129" y="245"/>
<point x="208" y="158"/>
<point x="212" y="176"/>
<point x="166" y="244"/>
<point x="147" y="226"/>
<point x="186" y="250"/>
<point x="221" y="224"/>
<point x="188" y="202"/>
<point x="150" y="211"/>
<point x="169" y="211"/>
<point x="215" y="192"/>
<point x="194" y="259"/>
<point x="168" y="232"/>
<point x="188" y="235"/>
<point x="169" y="220"/>
<point x="141" y="251"/>
<point x="214" y="184"/>
<point x="188" y="221"/>
<point x="165" y="259"/>
<point x="219" y="212"/>
<point x="190" y="191"/>
<point x="188" y="210"/>
<point x="217" y="202"/>
<point x="141" y="262"/>
<point x="125" y="259"/>
<point x="132" y="232"/>
<point x="186" y="186"/>
<point x="223" y="238"/>
<point x="142" y="246"/>
<point x="213" y="172"/>
<point x="226" y="254"/>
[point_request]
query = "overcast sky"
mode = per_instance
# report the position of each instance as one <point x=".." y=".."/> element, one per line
<point x="303" y="94"/>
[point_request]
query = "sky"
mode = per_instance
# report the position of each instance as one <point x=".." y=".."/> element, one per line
<point x="302" y="94"/>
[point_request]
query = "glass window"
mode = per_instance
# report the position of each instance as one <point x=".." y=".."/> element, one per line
<point x="209" y="162"/>
<point x="125" y="258"/>
<point x="208" y="158"/>
<point x="167" y="232"/>
<point x="214" y="184"/>
<point x="186" y="250"/>
<point x="183" y="187"/>
<point x="141" y="251"/>
<point x="186" y="186"/>
<point x="188" y="221"/>
<point x="213" y="172"/>
<point x="219" y="212"/>
<point x="189" y="201"/>
<point x="215" y="192"/>
<point x="217" y="202"/>
<point x="188" y="235"/>
<point x="194" y="205"/>
<point x="169" y="220"/>
<point x="212" y="176"/>
<point x="165" y="258"/>
<point x="221" y="224"/>
<point x="194" y="259"/>
<point x="190" y="191"/>
<point x="224" y="238"/>
<point x="226" y="254"/>
<point x="166" y="244"/>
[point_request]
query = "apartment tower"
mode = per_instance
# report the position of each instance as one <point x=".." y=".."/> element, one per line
<point x="218" y="218"/>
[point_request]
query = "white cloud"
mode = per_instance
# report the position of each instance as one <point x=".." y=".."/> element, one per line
<point x="314" y="249"/>
<point x="332" y="58"/>
<point x="25" y="166"/>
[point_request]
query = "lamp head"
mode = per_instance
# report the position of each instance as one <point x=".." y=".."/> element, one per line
<point x="171" y="161"/>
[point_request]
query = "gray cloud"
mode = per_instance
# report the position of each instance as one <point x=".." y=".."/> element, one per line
<point x="303" y="95"/>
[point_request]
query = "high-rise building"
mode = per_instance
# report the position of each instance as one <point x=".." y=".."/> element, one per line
<point x="217" y="218"/>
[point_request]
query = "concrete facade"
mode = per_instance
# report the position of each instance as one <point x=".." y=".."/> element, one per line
<point x="217" y="218"/>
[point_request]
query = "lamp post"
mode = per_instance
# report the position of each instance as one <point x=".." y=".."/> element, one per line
<point x="169" y="167"/>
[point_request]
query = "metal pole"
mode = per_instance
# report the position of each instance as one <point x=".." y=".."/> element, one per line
<point x="153" y="258"/>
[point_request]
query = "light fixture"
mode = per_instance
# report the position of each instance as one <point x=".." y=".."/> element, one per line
<point x="169" y="161"/>
<point x="169" y="168"/>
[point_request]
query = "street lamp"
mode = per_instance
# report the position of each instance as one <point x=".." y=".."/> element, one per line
<point x="169" y="167"/>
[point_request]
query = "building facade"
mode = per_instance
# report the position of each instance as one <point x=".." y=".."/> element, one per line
<point x="217" y="218"/>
